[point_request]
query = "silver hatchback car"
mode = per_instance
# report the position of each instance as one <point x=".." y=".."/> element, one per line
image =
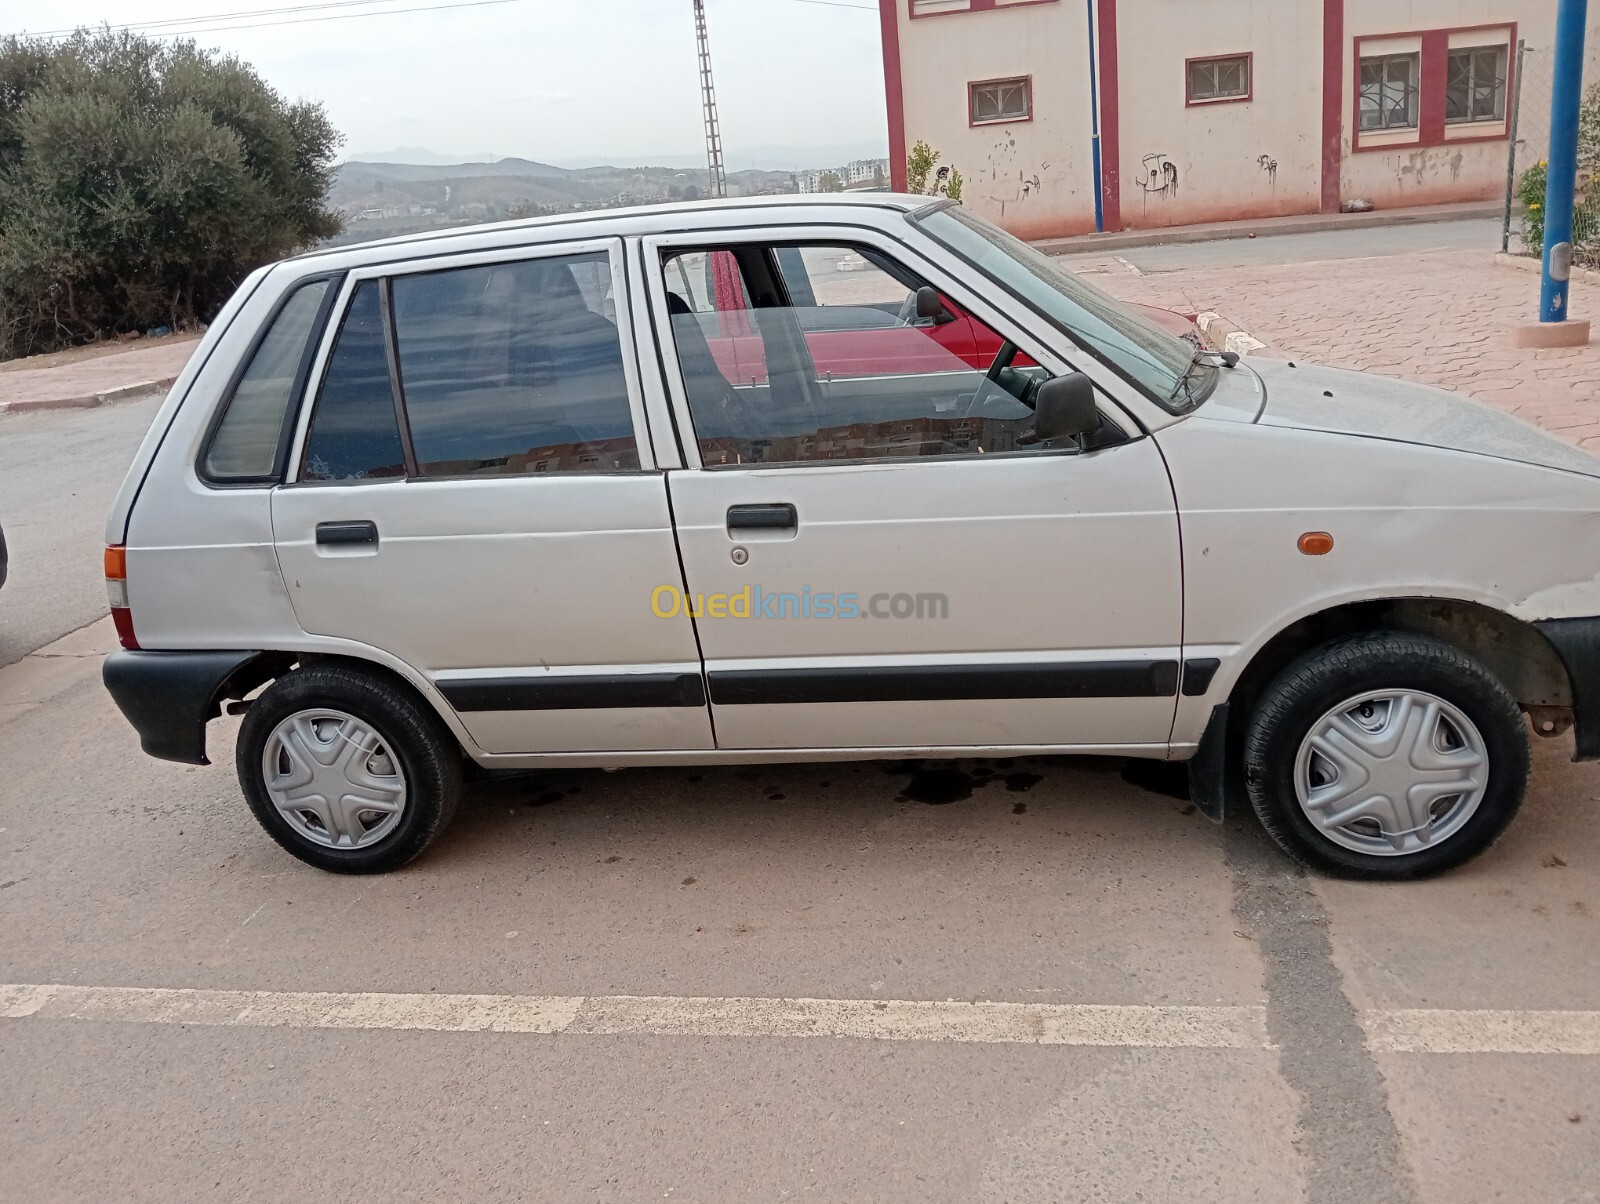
<point x="806" y="479"/>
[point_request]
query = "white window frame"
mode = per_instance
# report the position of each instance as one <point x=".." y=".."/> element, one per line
<point x="1127" y="408"/>
<point x="1414" y="91"/>
<point x="612" y="247"/>
<point x="1503" y="50"/>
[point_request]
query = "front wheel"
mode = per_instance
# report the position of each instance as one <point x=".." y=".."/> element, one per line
<point x="346" y="771"/>
<point x="1386" y="756"/>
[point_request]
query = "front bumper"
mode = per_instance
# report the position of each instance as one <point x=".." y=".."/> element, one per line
<point x="1577" y="643"/>
<point x="169" y="697"/>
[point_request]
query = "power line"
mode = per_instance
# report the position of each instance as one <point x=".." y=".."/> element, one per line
<point x="186" y="26"/>
<point x="260" y="12"/>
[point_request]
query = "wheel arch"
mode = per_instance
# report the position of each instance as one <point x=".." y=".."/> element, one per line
<point x="1514" y="650"/>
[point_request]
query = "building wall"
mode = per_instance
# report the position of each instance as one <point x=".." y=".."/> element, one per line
<point x="1034" y="177"/>
<point x="1292" y="147"/>
<point x="1225" y="159"/>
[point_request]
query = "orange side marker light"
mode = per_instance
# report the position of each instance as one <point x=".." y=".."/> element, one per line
<point x="1316" y="543"/>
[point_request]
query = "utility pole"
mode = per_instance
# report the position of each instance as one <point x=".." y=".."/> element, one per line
<point x="1562" y="182"/>
<point x="708" y="99"/>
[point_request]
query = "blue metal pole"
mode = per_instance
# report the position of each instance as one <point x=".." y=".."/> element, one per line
<point x="1094" y="126"/>
<point x="1562" y="182"/>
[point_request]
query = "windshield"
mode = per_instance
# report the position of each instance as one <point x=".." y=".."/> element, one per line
<point x="1166" y="367"/>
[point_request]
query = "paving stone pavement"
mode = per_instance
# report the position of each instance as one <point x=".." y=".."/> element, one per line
<point x="1440" y="317"/>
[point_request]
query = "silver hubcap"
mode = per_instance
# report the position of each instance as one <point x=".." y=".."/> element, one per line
<point x="1391" y="772"/>
<point x="333" y="779"/>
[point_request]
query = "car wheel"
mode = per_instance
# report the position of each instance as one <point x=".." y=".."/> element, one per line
<point x="1386" y="756"/>
<point x="345" y="771"/>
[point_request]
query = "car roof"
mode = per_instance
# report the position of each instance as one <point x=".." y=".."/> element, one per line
<point x="598" y="223"/>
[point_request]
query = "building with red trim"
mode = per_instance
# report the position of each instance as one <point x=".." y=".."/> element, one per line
<point x="1214" y="110"/>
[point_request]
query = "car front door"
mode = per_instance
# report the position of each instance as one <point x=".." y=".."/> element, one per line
<point x="882" y="558"/>
<point x="475" y="497"/>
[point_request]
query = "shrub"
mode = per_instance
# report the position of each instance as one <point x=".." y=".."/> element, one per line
<point x="141" y="182"/>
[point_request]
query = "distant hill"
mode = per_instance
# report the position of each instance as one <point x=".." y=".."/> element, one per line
<point x="382" y="199"/>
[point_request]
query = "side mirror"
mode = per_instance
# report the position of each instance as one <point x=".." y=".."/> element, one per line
<point x="930" y="308"/>
<point x="1064" y="408"/>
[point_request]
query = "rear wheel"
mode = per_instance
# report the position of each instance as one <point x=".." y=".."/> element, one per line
<point x="347" y="772"/>
<point x="1387" y="755"/>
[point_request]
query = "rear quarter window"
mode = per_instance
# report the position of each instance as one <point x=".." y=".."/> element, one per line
<point x="251" y="437"/>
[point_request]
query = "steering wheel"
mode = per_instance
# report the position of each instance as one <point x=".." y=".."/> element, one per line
<point x="991" y="378"/>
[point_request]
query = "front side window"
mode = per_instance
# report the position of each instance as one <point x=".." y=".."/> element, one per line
<point x="1164" y="366"/>
<point x="513" y="368"/>
<point x="1475" y="85"/>
<point x="253" y="435"/>
<point x="838" y="365"/>
<point x="1219" y="79"/>
<point x="1389" y="92"/>
<point x="1000" y="100"/>
<point x="355" y="435"/>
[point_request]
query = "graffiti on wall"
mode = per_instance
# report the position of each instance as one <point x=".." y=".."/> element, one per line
<point x="1269" y="165"/>
<point x="1159" y="176"/>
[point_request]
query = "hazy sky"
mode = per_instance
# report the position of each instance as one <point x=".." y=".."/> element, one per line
<point x="550" y="79"/>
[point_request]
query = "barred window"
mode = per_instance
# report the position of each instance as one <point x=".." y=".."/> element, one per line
<point x="1475" y="87"/>
<point x="1389" y="92"/>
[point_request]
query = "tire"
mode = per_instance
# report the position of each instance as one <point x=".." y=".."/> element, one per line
<point x="319" y="723"/>
<point x="1374" y="730"/>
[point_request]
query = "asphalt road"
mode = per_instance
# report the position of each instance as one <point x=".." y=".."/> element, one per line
<point x="1023" y="981"/>
<point x="59" y="471"/>
<point x="1307" y="248"/>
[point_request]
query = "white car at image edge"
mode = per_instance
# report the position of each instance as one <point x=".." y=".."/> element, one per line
<point x="670" y="486"/>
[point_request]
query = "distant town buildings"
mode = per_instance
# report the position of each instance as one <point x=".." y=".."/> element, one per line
<point x="861" y="174"/>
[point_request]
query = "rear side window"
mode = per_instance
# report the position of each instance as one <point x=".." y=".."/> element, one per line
<point x="513" y="368"/>
<point x="249" y="442"/>
<point x="355" y="435"/>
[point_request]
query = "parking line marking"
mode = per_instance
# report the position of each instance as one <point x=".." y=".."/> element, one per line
<point x="628" y="1015"/>
<point x="1128" y="1026"/>
<point x="1440" y="1031"/>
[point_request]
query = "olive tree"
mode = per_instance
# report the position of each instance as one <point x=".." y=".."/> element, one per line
<point x="140" y="182"/>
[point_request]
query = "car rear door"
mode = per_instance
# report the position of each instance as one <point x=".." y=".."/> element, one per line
<point x="882" y="560"/>
<point x="475" y="495"/>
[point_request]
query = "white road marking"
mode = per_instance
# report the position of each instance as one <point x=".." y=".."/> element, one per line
<point x="883" y="1020"/>
<point x="1108" y="1025"/>
<point x="1427" y="1030"/>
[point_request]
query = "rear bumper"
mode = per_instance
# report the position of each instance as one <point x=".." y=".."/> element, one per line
<point x="169" y="697"/>
<point x="1577" y="642"/>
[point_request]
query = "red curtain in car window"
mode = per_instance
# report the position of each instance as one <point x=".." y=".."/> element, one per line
<point x="727" y="291"/>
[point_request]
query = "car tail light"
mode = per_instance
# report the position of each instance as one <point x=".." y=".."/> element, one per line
<point x="117" y="594"/>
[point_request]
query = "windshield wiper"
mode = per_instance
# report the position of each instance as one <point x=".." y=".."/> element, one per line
<point x="1202" y="355"/>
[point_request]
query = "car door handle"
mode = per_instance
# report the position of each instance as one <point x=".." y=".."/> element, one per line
<point x="346" y="534"/>
<point x="767" y="516"/>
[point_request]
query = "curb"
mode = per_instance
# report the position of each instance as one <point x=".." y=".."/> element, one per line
<point x="1526" y="263"/>
<point x="1311" y="223"/>
<point x="89" y="401"/>
<point x="1223" y="335"/>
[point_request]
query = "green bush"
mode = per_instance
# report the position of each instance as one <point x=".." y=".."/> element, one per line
<point x="1586" y="203"/>
<point x="141" y="182"/>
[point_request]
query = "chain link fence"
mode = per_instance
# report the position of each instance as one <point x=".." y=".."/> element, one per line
<point x="1522" y="227"/>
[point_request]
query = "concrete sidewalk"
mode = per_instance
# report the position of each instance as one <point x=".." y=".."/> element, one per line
<point x="83" y="383"/>
<point x="1265" y="227"/>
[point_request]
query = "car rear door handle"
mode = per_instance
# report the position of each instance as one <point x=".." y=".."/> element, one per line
<point x="767" y="516"/>
<point x="347" y="534"/>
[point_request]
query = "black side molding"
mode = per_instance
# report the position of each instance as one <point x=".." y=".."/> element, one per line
<point x="575" y="693"/>
<point x="1577" y="643"/>
<point x="934" y="683"/>
<point x="169" y="697"/>
<point x="1197" y="675"/>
